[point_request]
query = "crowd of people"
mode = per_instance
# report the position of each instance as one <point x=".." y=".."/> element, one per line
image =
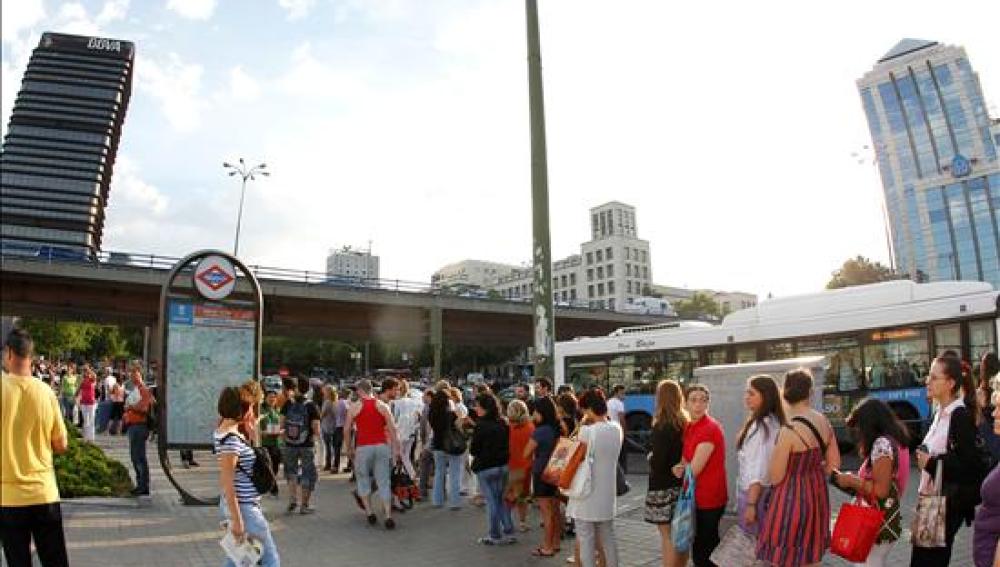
<point x="434" y="446"/>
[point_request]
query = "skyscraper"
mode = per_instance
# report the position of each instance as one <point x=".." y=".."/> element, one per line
<point x="937" y="160"/>
<point x="59" y="152"/>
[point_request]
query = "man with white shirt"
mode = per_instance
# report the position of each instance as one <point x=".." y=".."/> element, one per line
<point x="616" y="413"/>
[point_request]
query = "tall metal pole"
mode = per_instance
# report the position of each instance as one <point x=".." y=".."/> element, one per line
<point x="542" y="316"/>
<point x="239" y="218"/>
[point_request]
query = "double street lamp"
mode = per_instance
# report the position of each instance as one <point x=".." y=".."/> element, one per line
<point x="245" y="173"/>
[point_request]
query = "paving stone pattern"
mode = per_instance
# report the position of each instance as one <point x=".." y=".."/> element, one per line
<point x="102" y="533"/>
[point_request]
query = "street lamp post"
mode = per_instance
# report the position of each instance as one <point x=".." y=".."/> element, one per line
<point x="245" y="173"/>
<point x="542" y="315"/>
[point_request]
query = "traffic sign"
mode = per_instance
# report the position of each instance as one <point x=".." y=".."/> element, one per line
<point x="214" y="277"/>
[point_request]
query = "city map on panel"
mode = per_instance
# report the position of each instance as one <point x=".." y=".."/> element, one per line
<point x="209" y="345"/>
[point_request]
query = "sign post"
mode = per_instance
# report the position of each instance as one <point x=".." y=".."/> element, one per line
<point x="210" y="337"/>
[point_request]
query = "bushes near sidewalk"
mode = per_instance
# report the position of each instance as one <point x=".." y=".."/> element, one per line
<point x="84" y="470"/>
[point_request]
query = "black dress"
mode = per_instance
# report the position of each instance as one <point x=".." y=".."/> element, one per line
<point x="664" y="487"/>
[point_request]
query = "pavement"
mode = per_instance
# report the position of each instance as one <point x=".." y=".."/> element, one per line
<point x="164" y="532"/>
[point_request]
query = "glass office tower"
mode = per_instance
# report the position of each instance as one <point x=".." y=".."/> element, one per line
<point x="59" y="152"/>
<point x="938" y="162"/>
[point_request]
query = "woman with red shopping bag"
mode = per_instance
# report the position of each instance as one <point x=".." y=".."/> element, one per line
<point x="883" y="446"/>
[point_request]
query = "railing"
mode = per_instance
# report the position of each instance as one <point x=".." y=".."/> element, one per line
<point x="118" y="260"/>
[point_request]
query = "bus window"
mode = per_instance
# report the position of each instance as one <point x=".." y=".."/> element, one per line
<point x="981" y="341"/>
<point x="779" y="351"/>
<point x="845" y="361"/>
<point x="622" y="370"/>
<point x="648" y="372"/>
<point x="947" y="337"/>
<point x="583" y="373"/>
<point x="715" y="356"/>
<point x="680" y="365"/>
<point x="746" y="354"/>
<point x="896" y="358"/>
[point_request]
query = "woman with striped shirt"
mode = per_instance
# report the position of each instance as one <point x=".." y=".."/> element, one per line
<point x="240" y="502"/>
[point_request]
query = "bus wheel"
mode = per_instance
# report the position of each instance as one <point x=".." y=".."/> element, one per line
<point x="638" y="426"/>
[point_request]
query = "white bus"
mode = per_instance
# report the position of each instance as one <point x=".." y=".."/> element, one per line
<point x="879" y="340"/>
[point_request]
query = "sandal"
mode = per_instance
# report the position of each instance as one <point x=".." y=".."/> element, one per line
<point x="539" y="552"/>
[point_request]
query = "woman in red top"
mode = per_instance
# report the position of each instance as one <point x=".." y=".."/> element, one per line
<point x="519" y="467"/>
<point x="86" y="398"/>
<point x="705" y="451"/>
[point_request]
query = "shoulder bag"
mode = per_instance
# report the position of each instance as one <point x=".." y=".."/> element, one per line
<point x="454" y="442"/>
<point x="582" y="483"/>
<point x="561" y="469"/>
<point x="737" y="549"/>
<point x="682" y="525"/>
<point x="928" y="528"/>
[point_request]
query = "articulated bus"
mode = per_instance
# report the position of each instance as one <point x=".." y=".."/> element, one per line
<point x="878" y="339"/>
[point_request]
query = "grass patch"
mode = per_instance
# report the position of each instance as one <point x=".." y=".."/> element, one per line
<point x="84" y="470"/>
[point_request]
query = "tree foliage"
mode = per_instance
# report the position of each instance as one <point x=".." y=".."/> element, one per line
<point x="860" y="271"/>
<point x="67" y="339"/>
<point x="700" y="306"/>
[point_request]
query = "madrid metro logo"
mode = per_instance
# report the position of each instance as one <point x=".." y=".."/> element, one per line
<point x="214" y="277"/>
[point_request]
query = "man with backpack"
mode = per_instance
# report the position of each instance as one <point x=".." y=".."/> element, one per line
<point x="300" y="421"/>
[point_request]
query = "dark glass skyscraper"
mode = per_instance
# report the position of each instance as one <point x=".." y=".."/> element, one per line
<point x="939" y="164"/>
<point x="59" y="152"/>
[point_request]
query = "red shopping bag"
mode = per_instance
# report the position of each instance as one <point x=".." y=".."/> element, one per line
<point x="856" y="530"/>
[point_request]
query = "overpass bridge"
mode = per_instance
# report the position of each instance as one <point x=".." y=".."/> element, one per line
<point x="125" y="289"/>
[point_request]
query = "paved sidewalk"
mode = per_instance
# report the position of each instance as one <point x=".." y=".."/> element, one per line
<point x="103" y="533"/>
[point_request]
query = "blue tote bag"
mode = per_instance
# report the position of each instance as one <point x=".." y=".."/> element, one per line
<point x="682" y="524"/>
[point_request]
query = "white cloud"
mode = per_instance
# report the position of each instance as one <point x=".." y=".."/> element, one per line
<point x="193" y="9"/>
<point x="131" y="195"/>
<point x="74" y="19"/>
<point x="112" y="11"/>
<point x="176" y="85"/>
<point x="297" y="8"/>
<point x="18" y="16"/>
<point x="18" y="23"/>
<point x="311" y="78"/>
<point x="242" y="86"/>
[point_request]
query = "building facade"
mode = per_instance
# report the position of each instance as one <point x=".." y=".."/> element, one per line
<point x="473" y="274"/>
<point x="59" y="152"/>
<point x="612" y="269"/>
<point x="350" y="263"/>
<point x="937" y="155"/>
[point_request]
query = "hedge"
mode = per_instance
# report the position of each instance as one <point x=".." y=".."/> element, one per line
<point x="84" y="470"/>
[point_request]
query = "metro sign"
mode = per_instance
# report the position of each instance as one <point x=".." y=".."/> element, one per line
<point x="215" y="277"/>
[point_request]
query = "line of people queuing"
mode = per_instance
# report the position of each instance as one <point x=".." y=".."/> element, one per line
<point x="787" y="453"/>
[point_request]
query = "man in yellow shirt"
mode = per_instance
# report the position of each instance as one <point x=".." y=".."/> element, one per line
<point x="31" y="430"/>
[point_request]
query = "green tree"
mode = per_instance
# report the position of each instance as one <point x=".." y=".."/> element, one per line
<point x="860" y="271"/>
<point x="700" y="306"/>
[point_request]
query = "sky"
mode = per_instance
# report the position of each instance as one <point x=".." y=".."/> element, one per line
<point x="730" y="126"/>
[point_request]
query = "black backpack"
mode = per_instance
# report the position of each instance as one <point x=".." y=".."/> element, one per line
<point x="262" y="475"/>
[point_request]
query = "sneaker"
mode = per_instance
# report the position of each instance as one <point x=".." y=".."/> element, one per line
<point x="372" y="519"/>
<point x="194" y="464"/>
<point x="508" y="540"/>
<point x="390" y="524"/>
<point x="306" y="510"/>
<point x="291" y="507"/>
<point x="487" y="541"/>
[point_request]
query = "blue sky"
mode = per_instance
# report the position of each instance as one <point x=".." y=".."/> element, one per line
<point x="729" y="125"/>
